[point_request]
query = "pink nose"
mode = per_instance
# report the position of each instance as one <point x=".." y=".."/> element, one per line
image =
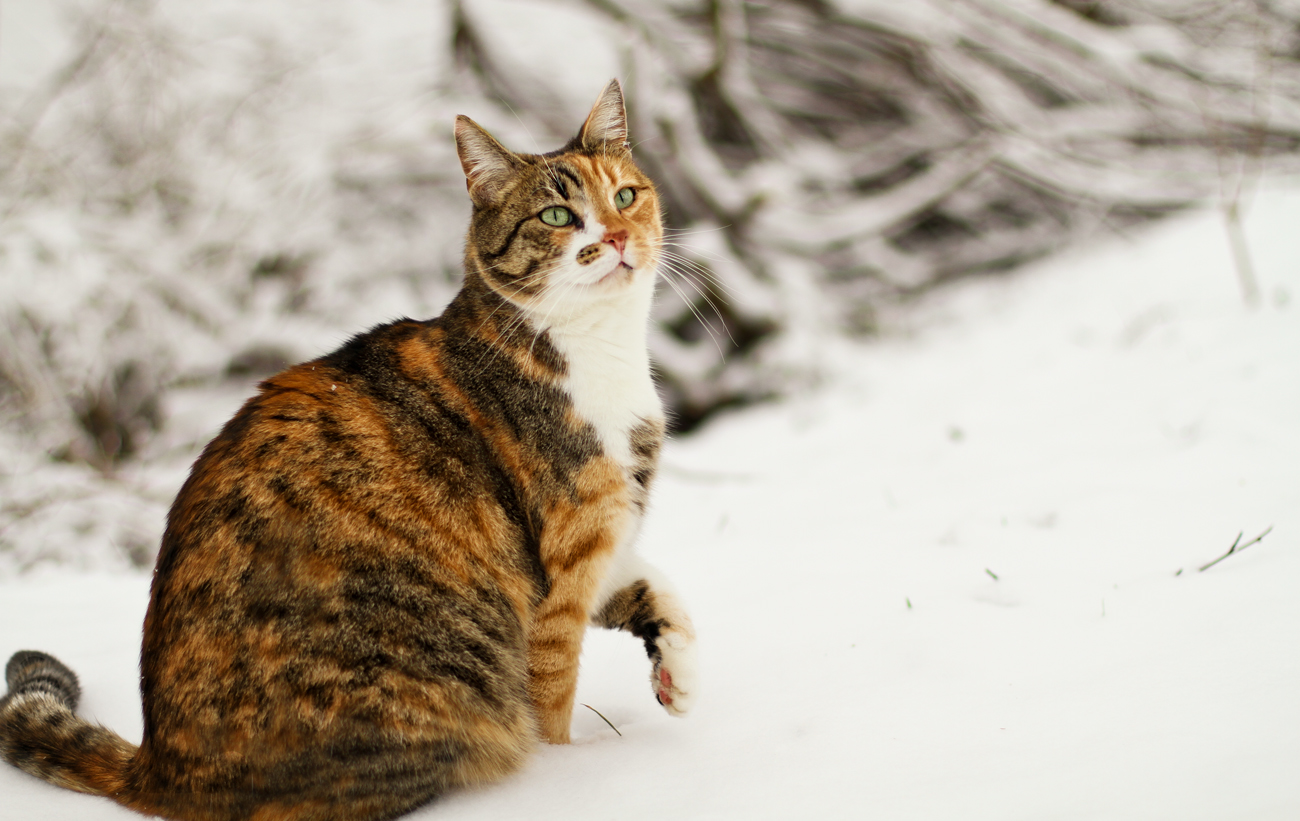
<point x="618" y="239"/>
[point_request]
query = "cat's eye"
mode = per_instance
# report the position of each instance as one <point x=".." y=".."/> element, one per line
<point x="624" y="198"/>
<point x="557" y="216"/>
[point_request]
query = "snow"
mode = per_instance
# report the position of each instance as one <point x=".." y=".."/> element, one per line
<point x="1089" y="431"/>
<point x="1082" y="430"/>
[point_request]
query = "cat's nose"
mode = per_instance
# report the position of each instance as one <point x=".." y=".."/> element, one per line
<point x="618" y="239"/>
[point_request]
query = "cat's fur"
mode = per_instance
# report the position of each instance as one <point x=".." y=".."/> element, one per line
<point x="375" y="582"/>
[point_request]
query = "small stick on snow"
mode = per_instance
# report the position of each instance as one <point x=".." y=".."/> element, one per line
<point x="602" y="718"/>
<point x="1237" y="547"/>
<point x="991" y="573"/>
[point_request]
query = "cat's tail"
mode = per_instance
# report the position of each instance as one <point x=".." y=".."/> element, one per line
<point x="40" y="732"/>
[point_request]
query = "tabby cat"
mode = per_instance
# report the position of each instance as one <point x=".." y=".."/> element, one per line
<point x="374" y="584"/>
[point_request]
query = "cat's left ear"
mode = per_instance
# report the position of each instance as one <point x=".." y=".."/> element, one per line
<point x="606" y="125"/>
<point x="489" y="166"/>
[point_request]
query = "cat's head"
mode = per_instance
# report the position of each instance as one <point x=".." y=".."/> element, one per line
<point x="556" y="232"/>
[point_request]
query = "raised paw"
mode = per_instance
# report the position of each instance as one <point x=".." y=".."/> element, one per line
<point x="674" y="676"/>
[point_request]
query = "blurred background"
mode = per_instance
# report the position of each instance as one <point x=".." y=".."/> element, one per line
<point x="196" y="193"/>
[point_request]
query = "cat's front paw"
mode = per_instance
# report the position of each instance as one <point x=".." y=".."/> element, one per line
<point x="675" y="678"/>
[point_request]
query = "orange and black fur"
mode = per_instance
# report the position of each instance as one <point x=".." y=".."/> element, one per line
<point x="375" y="582"/>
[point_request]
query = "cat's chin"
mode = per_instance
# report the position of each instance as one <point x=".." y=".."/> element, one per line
<point x="618" y="277"/>
<point x="622" y="274"/>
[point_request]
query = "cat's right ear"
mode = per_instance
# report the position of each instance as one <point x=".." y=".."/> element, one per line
<point x="606" y="125"/>
<point x="487" y="163"/>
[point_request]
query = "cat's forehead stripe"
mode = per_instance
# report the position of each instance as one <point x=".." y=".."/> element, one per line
<point x="557" y="170"/>
<point x="562" y="169"/>
<point x="599" y="170"/>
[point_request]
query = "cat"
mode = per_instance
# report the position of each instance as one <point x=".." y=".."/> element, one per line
<point x="374" y="584"/>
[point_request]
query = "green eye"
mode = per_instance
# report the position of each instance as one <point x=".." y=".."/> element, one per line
<point x="557" y="216"/>
<point x="624" y="198"/>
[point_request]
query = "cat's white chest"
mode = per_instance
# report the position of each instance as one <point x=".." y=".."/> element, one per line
<point x="609" y="383"/>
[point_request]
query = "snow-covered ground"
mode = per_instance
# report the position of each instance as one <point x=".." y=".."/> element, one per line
<point x="958" y="582"/>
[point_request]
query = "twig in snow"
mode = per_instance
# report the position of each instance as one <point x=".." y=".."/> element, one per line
<point x="1237" y="546"/>
<point x="991" y="573"/>
<point x="602" y="718"/>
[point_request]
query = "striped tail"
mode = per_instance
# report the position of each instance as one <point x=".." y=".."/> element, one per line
<point x="40" y="732"/>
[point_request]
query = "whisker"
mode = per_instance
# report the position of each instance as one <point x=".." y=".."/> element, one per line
<point x="520" y="318"/>
<point x="666" y="246"/>
<point x="558" y="298"/>
<point x="673" y="242"/>
<point x="690" y="232"/>
<point x="691" y="272"/>
<point x="691" y="268"/>
<point x="704" y="323"/>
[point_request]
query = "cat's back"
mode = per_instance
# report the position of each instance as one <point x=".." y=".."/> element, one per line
<point x="349" y="561"/>
<point x="372" y="444"/>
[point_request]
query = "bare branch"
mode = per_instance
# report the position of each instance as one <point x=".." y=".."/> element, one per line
<point x="1237" y="547"/>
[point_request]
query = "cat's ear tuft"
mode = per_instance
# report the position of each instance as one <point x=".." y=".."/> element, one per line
<point x="487" y="163"/>
<point x="606" y="125"/>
